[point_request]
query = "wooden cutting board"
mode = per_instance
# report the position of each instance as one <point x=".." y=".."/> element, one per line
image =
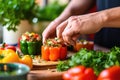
<point x="40" y="64"/>
<point x="45" y="70"/>
<point x="50" y="74"/>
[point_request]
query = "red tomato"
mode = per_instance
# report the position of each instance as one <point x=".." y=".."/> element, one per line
<point x="11" y="47"/>
<point x="6" y="46"/>
<point x="1" y="48"/>
<point x="79" y="73"/>
<point x="112" y="73"/>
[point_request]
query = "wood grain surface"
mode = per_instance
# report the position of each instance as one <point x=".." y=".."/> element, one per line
<point x="50" y="74"/>
<point x="45" y="70"/>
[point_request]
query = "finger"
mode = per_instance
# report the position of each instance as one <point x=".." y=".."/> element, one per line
<point x="49" y="31"/>
<point x="67" y="36"/>
<point x="60" y="29"/>
<point x="70" y="33"/>
<point x="44" y="37"/>
<point x="43" y="40"/>
<point x="76" y="37"/>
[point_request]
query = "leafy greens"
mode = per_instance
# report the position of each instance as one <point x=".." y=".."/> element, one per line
<point x="97" y="60"/>
<point x="13" y="11"/>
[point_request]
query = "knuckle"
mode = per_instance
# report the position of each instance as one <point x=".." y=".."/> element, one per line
<point x="63" y="34"/>
<point x="58" y="28"/>
<point x="72" y="17"/>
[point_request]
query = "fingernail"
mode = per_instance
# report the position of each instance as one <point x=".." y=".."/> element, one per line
<point x="43" y="41"/>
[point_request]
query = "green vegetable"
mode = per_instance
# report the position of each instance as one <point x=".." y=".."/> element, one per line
<point x="97" y="60"/>
<point x="50" y="11"/>
<point x="30" y="48"/>
<point x="13" y="11"/>
<point x="24" y="47"/>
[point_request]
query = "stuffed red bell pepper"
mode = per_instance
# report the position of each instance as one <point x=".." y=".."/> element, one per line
<point x="54" y="50"/>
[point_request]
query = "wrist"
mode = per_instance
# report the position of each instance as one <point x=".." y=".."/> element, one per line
<point x="59" y="20"/>
<point x="104" y="18"/>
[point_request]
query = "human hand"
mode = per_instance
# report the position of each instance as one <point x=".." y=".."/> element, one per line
<point x="50" y="31"/>
<point x="72" y="28"/>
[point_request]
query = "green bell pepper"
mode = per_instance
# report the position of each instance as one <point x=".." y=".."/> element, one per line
<point x="30" y="48"/>
<point x="23" y="47"/>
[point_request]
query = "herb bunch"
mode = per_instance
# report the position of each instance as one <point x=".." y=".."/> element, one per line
<point x="13" y="11"/>
<point x="97" y="60"/>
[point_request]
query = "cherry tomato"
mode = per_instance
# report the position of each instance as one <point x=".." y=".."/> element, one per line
<point x="11" y="47"/>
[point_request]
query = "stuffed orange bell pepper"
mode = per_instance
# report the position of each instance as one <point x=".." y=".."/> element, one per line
<point x="84" y="44"/>
<point x="54" y="50"/>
